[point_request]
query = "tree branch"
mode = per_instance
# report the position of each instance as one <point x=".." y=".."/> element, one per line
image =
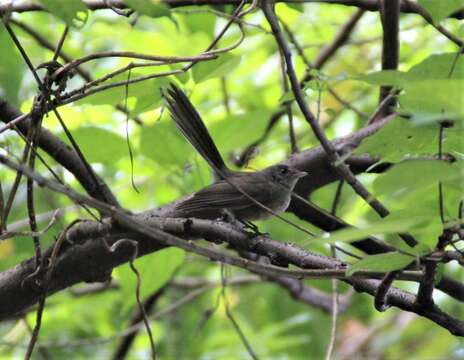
<point x="62" y="154"/>
<point x="149" y="231"/>
<point x="369" y="5"/>
<point x="390" y="16"/>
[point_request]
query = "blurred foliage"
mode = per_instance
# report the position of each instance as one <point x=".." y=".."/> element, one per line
<point x="166" y="167"/>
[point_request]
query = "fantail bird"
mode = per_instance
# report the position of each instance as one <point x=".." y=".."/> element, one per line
<point x="271" y="187"/>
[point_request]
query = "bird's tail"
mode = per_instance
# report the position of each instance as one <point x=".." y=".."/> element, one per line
<point x="191" y="125"/>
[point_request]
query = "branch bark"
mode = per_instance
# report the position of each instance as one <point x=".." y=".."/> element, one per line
<point x="390" y="16"/>
<point x="369" y="5"/>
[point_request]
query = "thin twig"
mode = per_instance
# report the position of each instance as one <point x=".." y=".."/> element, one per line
<point x="129" y="147"/>
<point x="14" y="187"/>
<point x="22" y="51"/>
<point x="225" y="94"/>
<point x="134" y="244"/>
<point x="231" y="317"/>
<point x="13" y="122"/>
<point x="426" y="16"/>
<point x="33" y="136"/>
<point x="129" y="54"/>
<point x="211" y="46"/>
<point x="137" y="319"/>
<point x="341" y="38"/>
<point x="334" y="315"/>
<point x="288" y="106"/>
<point x="54" y="174"/>
<point x="60" y="43"/>
<point x="9" y="234"/>
<point x="335" y="295"/>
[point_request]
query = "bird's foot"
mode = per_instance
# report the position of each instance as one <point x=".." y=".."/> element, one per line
<point x="250" y="226"/>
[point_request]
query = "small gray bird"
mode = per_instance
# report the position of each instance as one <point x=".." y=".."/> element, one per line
<point x="271" y="187"/>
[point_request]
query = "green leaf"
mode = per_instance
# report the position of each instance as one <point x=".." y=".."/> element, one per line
<point x="414" y="175"/>
<point x="72" y="12"/>
<point x="434" y="96"/>
<point x="440" y="9"/>
<point x="384" y="226"/>
<point x="385" y="77"/>
<point x="381" y="262"/>
<point x="438" y="66"/>
<point x="146" y="92"/>
<point x="435" y="67"/>
<point x="236" y="131"/>
<point x="11" y="68"/>
<point x="200" y="22"/>
<point x="155" y="271"/>
<point x="287" y="96"/>
<point x="400" y="138"/>
<point x="316" y="85"/>
<point x="163" y="143"/>
<point x="426" y="232"/>
<point x="99" y="145"/>
<point x="221" y="66"/>
<point x="152" y="8"/>
<point x="296" y="6"/>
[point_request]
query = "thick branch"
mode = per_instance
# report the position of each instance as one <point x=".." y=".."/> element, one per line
<point x="370" y="5"/>
<point x="390" y="16"/>
<point x="89" y="260"/>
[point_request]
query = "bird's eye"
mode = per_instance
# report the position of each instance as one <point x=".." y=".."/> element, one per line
<point x="283" y="170"/>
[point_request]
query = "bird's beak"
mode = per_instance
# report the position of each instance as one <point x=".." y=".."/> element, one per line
<point x="301" y="174"/>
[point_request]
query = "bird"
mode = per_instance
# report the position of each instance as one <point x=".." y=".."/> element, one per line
<point x="239" y="193"/>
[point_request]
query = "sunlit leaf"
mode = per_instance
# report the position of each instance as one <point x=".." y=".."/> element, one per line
<point x="99" y="145"/>
<point x="435" y="96"/>
<point x="200" y="21"/>
<point x="435" y="67"/>
<point x="440" y="9"/>
<point x="413" y="175"/>
<point x="221" y="66"/>
<point x="163" y="143"/>
<point x="152" y="8"/>
<point x="11" y="67"/>
<point x="72" y="12"/>
<point x="398" y="139"/>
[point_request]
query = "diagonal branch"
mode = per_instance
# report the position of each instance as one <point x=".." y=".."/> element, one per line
<point x="59" y="151"/>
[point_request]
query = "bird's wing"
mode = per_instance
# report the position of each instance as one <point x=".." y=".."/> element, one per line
<point x="222" y="195"/>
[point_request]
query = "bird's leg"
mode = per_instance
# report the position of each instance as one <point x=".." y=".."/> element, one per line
<point x="228" y="216"/>
<point x="254" y="228"/>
